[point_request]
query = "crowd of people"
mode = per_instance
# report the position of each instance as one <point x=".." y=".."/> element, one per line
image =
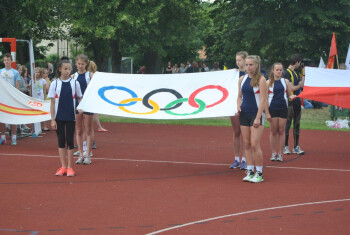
<point x="44" y="86"/>
<point x="259" y="98"/>
<point x="189" y="67"/>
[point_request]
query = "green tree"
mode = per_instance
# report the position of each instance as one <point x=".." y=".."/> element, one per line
<point x="164" y="29"/>
<point x="276" y="29"/>
<point x="96" y="25"/>
<point x="150" y="30"/>
<point x="30" y="19"/>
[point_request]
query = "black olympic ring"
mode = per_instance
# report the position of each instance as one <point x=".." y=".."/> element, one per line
<point x="148" y="96"/>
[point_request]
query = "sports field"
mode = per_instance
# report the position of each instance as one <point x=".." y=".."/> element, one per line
<point x="148" y="178"/>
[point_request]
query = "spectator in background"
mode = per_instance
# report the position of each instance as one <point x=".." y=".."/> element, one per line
<point x="193" y="68"/>
<point x="205" y="67"/>
<point x="22" y="83"/>
<point x="216" y="67"/>
<point x="50" y="70"/>
<point x="182" y="68"/>
<point x="48" y="81"/>
<point x="200" y="67"/>
<point x="169" y="68"/>
<point x="176" y="69"/>
<point x="40" y="89"/>
<point x="188" y="65"/>
<point x="26" y="78"/>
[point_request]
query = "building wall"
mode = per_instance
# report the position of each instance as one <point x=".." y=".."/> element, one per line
<point x="60" y="47"/>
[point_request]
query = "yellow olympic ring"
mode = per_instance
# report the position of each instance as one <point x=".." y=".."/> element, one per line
<point x="154" y="105"/>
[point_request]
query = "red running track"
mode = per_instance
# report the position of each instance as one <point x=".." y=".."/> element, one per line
<point x="147" y="178"/>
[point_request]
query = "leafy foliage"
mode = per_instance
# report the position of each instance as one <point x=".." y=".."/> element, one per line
<point x="156" y="31"/>
<point x="276" y="29"/>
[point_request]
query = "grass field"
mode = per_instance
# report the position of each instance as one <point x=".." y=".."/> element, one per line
<point x="314" y="119"/>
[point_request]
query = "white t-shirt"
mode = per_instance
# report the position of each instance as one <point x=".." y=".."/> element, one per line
<point x="39" y="88"/>
<point x="55" y="92"/>
<point x="10" y="75"/>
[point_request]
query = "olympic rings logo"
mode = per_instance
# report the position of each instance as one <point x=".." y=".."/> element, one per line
<point x="154" y="107"/>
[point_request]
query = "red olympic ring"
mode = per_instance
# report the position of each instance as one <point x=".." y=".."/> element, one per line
<point x="193" y="103"/>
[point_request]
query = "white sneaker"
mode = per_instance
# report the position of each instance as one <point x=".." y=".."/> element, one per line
<point x="80" y="160"/>
<point x="297" y="150"/>
<point x="286" y="150"/>
<point x="279" y="158"/>
<point x="77" y="153"/>
<point x="85" y="154"/>
<point x="87" y="161"/>
<point x="258" y="177"/>
<point x="273" y="157"/>
<point x="250" y="175"/>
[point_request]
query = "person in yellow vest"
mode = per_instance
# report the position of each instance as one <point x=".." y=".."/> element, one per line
<point x="294" y="106"/>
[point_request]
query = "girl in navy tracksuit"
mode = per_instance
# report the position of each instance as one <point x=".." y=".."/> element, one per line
<point x="63" y="92"/>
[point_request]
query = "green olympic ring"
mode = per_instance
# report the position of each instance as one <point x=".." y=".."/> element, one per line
<point x="171" y="104"/>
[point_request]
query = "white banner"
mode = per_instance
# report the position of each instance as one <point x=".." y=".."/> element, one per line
<point x="160" y="96"/>
<point x="18" y="108"/>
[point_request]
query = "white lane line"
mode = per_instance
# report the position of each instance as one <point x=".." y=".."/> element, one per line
<point x="122" y="159"/>
<point x="246" y="212"/>
<point x="174" y="162"/>
<point x="303" y="168"/>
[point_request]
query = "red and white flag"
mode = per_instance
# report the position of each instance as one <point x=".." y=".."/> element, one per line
<point x="330" y="86"/>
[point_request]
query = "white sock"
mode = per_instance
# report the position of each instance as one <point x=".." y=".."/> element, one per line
<point x="259" y="168"/>
<point x="237" y="158"/>
<point x="250" y="167"/>
<point x="3" y="137"/>
<point x="14" y="137"/>
<point x="84" y="145"/>
<point x="243" y="159"/>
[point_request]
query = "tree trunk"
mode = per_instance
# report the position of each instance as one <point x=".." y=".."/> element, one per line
<point x="153" y="62"/>
<point x="101" y="59"/>
<point x="116" y="56"/>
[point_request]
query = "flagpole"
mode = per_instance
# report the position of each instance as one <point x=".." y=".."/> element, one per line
<point x="337" y="60"/>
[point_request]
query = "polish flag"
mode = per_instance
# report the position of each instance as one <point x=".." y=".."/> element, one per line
<point x="329" y="86"/>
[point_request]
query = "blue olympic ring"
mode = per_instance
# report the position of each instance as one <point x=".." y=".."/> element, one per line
<point x="101" y="93"/>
